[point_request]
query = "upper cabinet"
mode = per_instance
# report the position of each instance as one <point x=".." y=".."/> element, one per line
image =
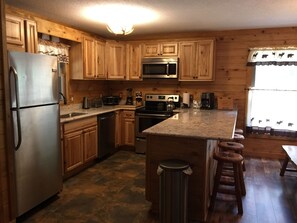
<point x="21" y="34"/>
<point x="134" y="52"/>
<point x="100" y="68"/>
<point x="115" y="58"/>
<point x="160" y="49"/>
<point x="94" y="58"/>
<point x="196" y="60"/>
<point x="87" y="59"/>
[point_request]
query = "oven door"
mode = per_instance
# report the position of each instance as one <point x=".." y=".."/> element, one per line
<point x="144" y="121"/>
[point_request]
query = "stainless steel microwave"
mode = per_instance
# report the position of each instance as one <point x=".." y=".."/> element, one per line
<point x="159" y="68"/>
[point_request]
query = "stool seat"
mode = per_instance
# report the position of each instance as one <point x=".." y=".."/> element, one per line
<point x="238" y="131"/>
<point x="236" y="177"/>
<point x="228" y="157"/>
<point x="238" y="137"/>
<point x="234" y="146"/>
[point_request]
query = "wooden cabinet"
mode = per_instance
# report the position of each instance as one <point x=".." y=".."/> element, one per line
<point x="93" y="58"/>
<point x="196" y="60"/>
<point x="118" y="119"/>
<point x="15" y="34"/>
<point x="100" y="69"/>
<point x="116" y="63"/>
<point x="128" y="127"/>
<point x="89" y="57"/>
<point x="80" y="143"/>
<point x="31" y="38"/>
<point x="134" y="52"/>
<point x="160" y="49"/>
<point x="21" y="34"/>
<point x="73" y="150"/>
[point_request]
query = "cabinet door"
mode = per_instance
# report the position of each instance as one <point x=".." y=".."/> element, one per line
<point x="116" y="61"/>
<point x="100" y="60"/>
<point x="73" y="150"/>
<point x="187" y="61"/>
<point x="31" y="36"/>
<point x="134" y="61"/>
<point x="15" y="33"/>
<point x="205" y="60"/>
<point x="169" y="49"/>
<point x="89" y="57"/>
<point x="129" y="132"/>
<point x="118" y="141"/>
<point x="90" y="143"/>
<point x="151" y="50"/>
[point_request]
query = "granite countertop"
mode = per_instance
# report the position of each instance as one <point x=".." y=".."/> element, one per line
<point x="196" y="123"/>
<point x="91" y="111"/>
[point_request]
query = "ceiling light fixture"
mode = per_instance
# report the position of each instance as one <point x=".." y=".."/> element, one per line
<point x="120" y="29"/>
<point x="120" y="19"/>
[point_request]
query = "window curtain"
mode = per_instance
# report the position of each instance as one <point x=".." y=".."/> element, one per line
<point x="272" y="56"/>
<point x="60" y="50"/>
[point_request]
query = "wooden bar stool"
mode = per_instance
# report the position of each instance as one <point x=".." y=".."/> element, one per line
<point x="234" y="147"/>
<point x="236" y="181"/>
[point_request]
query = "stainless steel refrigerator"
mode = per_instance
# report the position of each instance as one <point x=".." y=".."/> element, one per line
<point x="35" y="112"/>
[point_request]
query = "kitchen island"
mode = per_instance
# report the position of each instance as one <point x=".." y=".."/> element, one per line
<point x="192" y="136"/>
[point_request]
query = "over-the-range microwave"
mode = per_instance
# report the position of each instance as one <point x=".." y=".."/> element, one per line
<point x="159" y="67"/>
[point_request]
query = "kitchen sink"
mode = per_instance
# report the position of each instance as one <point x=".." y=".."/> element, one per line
<point x="72" y="114"/>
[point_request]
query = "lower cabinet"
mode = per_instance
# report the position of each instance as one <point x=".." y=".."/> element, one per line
<point x="80" y="143"/>
<point x="128" y="127"/>
<point x="118" y="132"/>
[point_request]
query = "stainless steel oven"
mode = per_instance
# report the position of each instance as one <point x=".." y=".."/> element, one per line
<point x="153" y="113"/>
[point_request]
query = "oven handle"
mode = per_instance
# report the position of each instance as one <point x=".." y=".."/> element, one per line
<point x="152" y="115"/>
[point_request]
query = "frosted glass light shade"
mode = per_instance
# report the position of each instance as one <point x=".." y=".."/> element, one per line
<point x="120" y="29"/>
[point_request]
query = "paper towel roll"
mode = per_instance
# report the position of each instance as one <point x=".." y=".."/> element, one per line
<point x="186" y="99"/>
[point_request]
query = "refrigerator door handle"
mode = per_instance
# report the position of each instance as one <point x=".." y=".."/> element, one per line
<point x="13" y="72"/>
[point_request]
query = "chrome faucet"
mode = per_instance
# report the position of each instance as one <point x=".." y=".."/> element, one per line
<point x="64" y="98"/>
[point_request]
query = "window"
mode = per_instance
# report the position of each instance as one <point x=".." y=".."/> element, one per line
<point x="272" y="102"/>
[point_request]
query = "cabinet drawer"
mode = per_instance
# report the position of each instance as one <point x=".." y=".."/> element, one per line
<point x="128" y="114"/>
<point x="80" y="124"/>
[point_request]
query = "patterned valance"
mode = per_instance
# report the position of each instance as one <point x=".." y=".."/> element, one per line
<point x="272" y="56"/>
<point x="60" y="50"/>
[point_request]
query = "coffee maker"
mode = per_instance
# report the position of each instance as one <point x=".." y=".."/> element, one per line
<point x="129" y="100"/>
<point x="207" y="100"/>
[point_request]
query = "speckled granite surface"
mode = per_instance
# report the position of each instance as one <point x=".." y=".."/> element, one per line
<point x="91" y="111"/>
<point x="195" y="123"/>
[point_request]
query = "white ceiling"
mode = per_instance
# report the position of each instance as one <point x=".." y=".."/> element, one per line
<point x="175" y="15"/>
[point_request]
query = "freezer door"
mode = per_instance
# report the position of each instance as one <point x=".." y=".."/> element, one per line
<point x="37" y="79"/>
<point x="38" y="160"/>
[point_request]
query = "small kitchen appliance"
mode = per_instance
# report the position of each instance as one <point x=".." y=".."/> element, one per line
<point x="85" y="103"/>
<point x="207" y="100"/>
<point x="129" y="100"/>
<point x="111" y="100"/>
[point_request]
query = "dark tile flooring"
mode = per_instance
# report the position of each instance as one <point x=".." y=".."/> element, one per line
<point x="112" y="191"/>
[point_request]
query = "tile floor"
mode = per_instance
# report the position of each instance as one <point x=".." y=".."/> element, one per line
<point x="112" y="191"/>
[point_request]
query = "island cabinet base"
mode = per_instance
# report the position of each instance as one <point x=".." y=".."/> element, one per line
<point x="198" y="153"/>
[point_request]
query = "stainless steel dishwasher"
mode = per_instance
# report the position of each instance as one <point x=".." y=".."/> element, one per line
<point x="106" y="134"/>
